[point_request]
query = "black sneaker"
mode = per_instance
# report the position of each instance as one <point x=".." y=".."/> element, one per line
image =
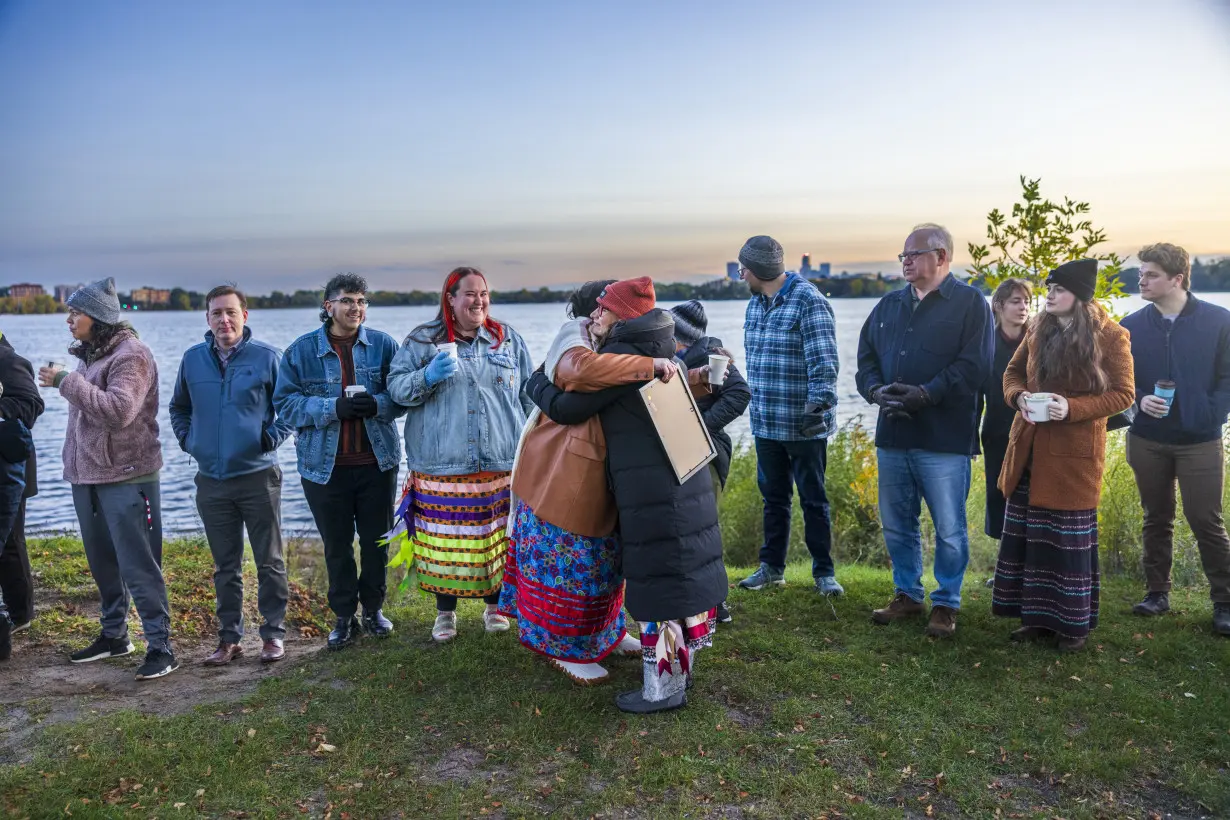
<point x="102" y="648"/>
<point x="1155" y="603"/>
<point x="1221" y="619"/>
<point x="20" y="627"/>
<point x="376" y="625"/>
<point x="723" y="614"/>
<point x="158" y="662"/>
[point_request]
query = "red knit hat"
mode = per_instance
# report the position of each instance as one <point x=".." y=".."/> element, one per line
<point x="629" y="298"/>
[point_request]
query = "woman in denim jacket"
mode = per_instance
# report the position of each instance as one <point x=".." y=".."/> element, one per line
<point x="463" y="377"/>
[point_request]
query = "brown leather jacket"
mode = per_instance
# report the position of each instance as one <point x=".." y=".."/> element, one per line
<point x="561" y="472"/>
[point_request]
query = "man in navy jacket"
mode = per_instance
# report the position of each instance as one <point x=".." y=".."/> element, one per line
<point x="222" y="413"/>
<point x="1180" y="339"/>
<point x="923" y="356"/>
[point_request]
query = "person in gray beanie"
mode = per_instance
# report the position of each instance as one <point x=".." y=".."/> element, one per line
<point x="98" y="300"/>
<point x="764" y="258"/>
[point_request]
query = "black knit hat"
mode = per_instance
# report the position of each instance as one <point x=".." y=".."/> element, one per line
<point x="690" y="322"/>
<point x="1080" y="276"/>
<point x="764" y="257"/>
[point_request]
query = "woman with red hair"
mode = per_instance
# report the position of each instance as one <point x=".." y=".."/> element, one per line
<point x="462" y="375"/>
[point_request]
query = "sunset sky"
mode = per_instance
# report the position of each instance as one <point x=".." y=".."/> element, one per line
<point x="275" y="143"/>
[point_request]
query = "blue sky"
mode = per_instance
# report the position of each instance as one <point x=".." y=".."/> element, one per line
<point x="275" y="143"/>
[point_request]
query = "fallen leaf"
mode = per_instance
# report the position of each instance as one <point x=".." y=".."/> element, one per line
<point x="200" y="792"/>
<point x="326" y="747"/>
<point x="251" y="733"/>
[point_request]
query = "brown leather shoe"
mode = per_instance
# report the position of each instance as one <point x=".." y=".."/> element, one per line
<point x="272" y="651"/>
<point x="224" y="654"/>
<point x="902" y="606"/>
<point x="943" y="622"/>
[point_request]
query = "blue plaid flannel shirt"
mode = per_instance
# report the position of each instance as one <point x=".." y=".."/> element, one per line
<point x="791" y="347"/>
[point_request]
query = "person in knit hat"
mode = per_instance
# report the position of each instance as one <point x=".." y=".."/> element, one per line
<point x="727" y="401"/>
<point x="97" y="300"/>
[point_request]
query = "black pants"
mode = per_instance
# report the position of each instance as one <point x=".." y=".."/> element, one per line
<point x="779" y="465"/>
<point x="448" y="603"/>
<point x="356" y="498"/>
<point x="16" y="581"/>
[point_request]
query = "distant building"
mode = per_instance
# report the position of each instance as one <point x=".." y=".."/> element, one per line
<point x="65" y="291"/>
<point x="732" y="271"/>
<point x="151" y="296"/>
<point x="26" y="290"/>
<point x="825" y="270"/>
<point x="805" y="267"/>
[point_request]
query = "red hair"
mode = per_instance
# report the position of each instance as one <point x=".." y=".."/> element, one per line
<point x="451" y="285"/>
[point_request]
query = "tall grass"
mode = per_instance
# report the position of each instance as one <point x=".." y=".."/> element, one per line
<point x="853" y="498"/>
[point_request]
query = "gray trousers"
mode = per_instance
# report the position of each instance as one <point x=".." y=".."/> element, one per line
<point x="226" y="507"/>
<point x="121" y="528"/>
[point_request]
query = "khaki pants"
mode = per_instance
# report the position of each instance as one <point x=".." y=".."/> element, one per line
<point x="1200" y="473"/>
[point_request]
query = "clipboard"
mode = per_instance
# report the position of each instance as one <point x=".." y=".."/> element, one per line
<point x="679" y="425"/>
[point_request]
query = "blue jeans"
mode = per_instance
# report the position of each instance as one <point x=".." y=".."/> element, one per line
<point x="779" y="466"/>
<point x="942" y="480"/>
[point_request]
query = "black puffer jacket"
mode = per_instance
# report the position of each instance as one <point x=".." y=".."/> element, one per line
<point x="724" y="405"/>
<point x="21" y="400"/>
<point x="672" y="547"/>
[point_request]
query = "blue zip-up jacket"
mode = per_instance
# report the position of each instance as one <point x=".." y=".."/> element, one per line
<point x="309" y="385"/>
<point x="946" y="345"/>
<point x="226" y="421"/>
<point x="1194" y="353"/>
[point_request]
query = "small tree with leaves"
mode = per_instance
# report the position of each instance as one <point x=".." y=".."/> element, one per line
<point x="1038" y="237"/>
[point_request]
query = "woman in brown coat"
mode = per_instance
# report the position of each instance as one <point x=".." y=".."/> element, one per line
<point x="1073" y="371"/>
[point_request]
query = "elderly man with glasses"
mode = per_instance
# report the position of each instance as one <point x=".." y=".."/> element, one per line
<point x="922" y="355"/>
<point x="331" y="389"/>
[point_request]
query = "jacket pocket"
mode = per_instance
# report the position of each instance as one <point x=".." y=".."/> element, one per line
<point x="503" y="370"/>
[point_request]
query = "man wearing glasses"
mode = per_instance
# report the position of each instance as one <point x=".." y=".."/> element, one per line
<point x="922" y="355"/>
<point x="331" y="389"/>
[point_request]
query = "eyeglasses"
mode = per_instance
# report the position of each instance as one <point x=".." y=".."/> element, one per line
<point x="743" y="271"/>
<point x="901" y="257"/>
<point x="346" y="301"/>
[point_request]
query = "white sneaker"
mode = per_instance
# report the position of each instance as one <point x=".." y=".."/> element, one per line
<point x="629" y="646"/>
<point x="585" y="674"/>
<point x="493" y="621"/>
<point x="445" y="627"/>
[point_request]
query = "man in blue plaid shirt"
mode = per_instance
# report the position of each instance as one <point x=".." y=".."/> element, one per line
<point x="791" y="344"/>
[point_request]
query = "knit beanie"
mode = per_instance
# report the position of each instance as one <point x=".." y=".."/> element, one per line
<point x="1079" y="276"/>
<point x="690" y="322"/>
<point x="764" y="257"/>
<point x="629" y="298"/>
<point x="98" y="301"/>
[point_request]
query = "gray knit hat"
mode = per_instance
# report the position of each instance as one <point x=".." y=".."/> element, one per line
<point x="690" y="322"/>
<point x="764" y="257"/>
<point x="98" y="301"/>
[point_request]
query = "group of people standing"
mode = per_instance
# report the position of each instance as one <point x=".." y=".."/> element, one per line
<point x="542" y="488"/>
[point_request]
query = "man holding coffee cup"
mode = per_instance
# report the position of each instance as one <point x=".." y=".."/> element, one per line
<point x="1181" y="351"/>
<point x="790" y="340"/>
<point x="222" y="413"/>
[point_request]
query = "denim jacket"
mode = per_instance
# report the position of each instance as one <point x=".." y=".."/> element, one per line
<point x="471" y="421"/>
<point x="309" y="384"/>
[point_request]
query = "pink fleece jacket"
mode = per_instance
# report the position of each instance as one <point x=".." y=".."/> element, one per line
<point x="112" y="433"/>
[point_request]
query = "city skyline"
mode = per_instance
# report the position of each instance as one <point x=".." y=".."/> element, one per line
<point x="171" y="144"/>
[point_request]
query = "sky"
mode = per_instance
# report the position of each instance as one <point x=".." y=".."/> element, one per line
<point x="276" y="143"/>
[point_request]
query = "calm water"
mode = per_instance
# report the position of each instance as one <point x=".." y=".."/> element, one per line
<point x="40" y="338"/>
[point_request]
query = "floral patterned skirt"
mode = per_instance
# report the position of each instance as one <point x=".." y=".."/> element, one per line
<point x="564" y="589"/>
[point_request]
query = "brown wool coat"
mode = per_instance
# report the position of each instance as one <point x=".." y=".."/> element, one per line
<point x="1066" y="458"/>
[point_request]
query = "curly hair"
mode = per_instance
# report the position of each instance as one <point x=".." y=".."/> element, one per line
<point x="584" y="299"/>
<point x="103" y="338"/>
<point x="342" y="283"/>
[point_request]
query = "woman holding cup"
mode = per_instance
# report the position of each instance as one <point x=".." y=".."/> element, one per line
<point x="1070" y="374"/>
<point x="462" y="375"/>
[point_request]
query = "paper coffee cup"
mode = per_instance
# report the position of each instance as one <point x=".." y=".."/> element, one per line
<point x="353" y="390"/>
<point x="1039" y="407"/>
<point x="717" y="368"/>
<point x="1164" y="390"/>
<point x="448" y="347"/>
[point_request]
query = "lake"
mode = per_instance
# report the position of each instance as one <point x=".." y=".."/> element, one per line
<point x="169" y="334"/>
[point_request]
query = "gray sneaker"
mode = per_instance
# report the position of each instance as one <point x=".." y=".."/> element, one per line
<point x="762" y="577"/>
<point x="827" y="585"/>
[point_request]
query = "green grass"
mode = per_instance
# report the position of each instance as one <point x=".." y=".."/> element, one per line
<point x="799" y="710"/>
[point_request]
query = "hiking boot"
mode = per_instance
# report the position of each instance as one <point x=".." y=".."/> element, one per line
<point x="1029" y="633"/>
<point x="723" y="614"/>
<point x="943" y="622"/>
<point x="376" y="625"/>
<point x="1071" y="644"/>
<point x="902" y="606"/>
<point x="763" y="577"/>
<point x="827" y="585"/>
<point x="634" y="703"/>
<point x="158" y="663"/>
<point x="1221" y="619"/>
<point x="102" y="648"/>
<point x="1155" y="603"/>
<point x="344" y="633"/>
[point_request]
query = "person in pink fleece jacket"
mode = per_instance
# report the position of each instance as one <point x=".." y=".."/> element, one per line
<point x="112" y="456"/>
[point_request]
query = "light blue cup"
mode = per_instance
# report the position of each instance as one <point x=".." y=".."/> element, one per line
<point x="1164" y="390"/>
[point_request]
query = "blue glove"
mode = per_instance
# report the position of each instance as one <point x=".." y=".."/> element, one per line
<point x="440" y="368"/>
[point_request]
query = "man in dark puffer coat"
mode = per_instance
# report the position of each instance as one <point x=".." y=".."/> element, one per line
<point x="672" y="546"/>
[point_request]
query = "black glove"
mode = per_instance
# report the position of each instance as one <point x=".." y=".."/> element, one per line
<point x="911" y="397"/>
<point x="364" y="405"/>
<point x="345" y="408"/>
<point x="813" y="423"/>
<point x="887" y="401"/>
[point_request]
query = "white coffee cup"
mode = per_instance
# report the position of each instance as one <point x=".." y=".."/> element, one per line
<point x="1039" y="405"/>
<point x="717" y="368"/>
<point x="448" y="347"/>
<point x="353" y="390"/>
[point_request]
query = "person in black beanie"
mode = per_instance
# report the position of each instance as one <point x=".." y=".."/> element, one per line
<point x="1080" y="276"/>
<point x="727" y="402"/>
